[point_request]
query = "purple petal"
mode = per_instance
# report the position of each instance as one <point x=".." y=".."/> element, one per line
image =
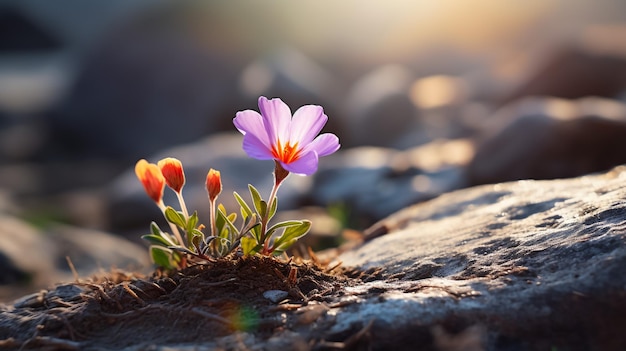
<point x="324" y="145"/>
<point x="251" y="122"/>
<point x="255" y="148"/>
<point x="276" y="118"/>
<point x="305" y="165"/>
<point x="307" y="122"/>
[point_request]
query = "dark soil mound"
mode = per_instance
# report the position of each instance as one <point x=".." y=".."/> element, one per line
<point x="197" y="305"/>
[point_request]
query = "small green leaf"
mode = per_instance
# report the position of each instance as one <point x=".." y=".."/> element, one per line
<point x="175" y="217"/>
<point x="221" y="216"/>
<point x="192" y="222"/>
<point x="290" y="235"/>
<point x="232" y="217"/>
<point x="161" y="256"/>
<point x="262" y="208"/>
<point x="154" y="228"/>
<point x="196" y="240"/>
<point x="157" y="240"/>
<point x="224" y="234"/>
<point x="256" y="199"/>
<point x="197" y="232"/>
<point x="246" y="212"/>
<point x="249" y="246"/>
<point x="283" y="224"/>
<point x="273" y="208"/>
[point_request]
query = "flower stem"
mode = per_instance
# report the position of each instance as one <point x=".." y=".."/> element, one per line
<point x="213" y="225"/>
<point x="280" y="174"/>
<point x="183" y="207"/>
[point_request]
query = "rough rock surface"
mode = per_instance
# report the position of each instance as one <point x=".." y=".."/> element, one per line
<point x="528" y="265"/>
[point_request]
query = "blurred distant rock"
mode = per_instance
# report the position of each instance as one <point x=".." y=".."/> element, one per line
<point x="33" y="258"/>
<point x="546" y="138"/>
<point x="298" y="80"/>
<point x="144" y="87"/>
<point x="576" y="72"/>
<point x="378" y="107"/>
<point x="374" y="182"/>
<point x="19" y="33"/>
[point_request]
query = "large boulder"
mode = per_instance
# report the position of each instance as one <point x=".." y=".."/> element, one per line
<point x="146" y="85"/>
<point x="514" y="266"/>
<point x="547" y="138"/>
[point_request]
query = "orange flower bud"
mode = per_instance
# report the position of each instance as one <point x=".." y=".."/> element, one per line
<point x="172" y="170"/>
<point x="150" y="176"/>
<point x="213" y="184"/>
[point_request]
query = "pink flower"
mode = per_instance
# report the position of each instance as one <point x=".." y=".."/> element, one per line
<point x="293" y="142"/>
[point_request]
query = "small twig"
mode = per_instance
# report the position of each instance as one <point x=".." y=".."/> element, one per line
<point x="130" y="291"/>
<point x="72" y="268"/>
<point x="293" y="276"/>
<point x="285" y="307"/>
<point x="222" y="282"/>
<point x="212" y="316"/>
<point x="57" y="343"/>
<point x="333" y="267"/>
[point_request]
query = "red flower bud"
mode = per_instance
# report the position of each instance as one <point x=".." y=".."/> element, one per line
<point x="150" y="176"/>
<point x="213" y="184"/>
<point x="172" y="170"/>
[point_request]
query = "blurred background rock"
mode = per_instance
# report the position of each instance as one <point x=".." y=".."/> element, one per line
<point x="426" y="97"/>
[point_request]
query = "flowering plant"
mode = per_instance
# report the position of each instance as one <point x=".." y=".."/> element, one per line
<point x="273" y="134"/>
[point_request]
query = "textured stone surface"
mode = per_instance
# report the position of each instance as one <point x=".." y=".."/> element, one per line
<point x="521" y="260"/>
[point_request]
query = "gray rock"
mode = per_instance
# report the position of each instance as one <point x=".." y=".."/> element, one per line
<point x="521" y="260"/>
<point x="579" y="71"/>
<point x="379" y="109"/>
<point x="546" y="138"/>
<point x="146" y="85"/>
<point x="374" y="182"/>
<point x="32" y="258"/>
<point x="275" y="296"/>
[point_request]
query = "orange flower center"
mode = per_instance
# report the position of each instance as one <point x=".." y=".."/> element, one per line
<point x="287" y="153"/>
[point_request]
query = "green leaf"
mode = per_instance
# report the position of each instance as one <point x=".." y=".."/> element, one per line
<point x="157" y="240"/>
<point x="290" y="235"/>
<point x="273" y="208"/>
<point x="246" y="212"/>
<point x="249" y="246"/>
<point x="227" y="223"/>
<point x="197" y="232"/>
<point x="161" y="256"/>
<point x="220" y="221"/>
<point x="282" y="225"/>
<point x="192" y="222"/>
<point x="263" y="208"/>
<point x="196" y="240"/>
<point x="257" y="200"/>
<point x="175" y="217"/>
<point x="154" y="228"/>
<point x="232" y="217"/>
